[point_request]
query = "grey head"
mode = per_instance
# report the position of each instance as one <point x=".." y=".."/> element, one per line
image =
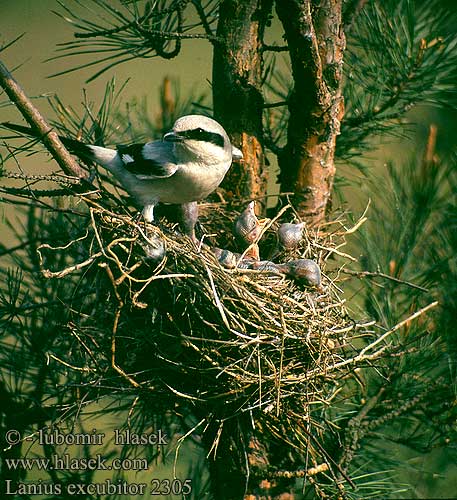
<point x="290" y="235"/>
<point x="202" y="138"/>
<point x="306" y="270"/>
<point x="247" y="225"/>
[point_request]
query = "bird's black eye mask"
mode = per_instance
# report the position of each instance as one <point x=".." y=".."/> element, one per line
<point x="198" y="134"/>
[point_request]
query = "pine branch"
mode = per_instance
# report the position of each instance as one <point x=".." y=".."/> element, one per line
<point x="35" y="193"/>
<point x="61" y="179"/>
<point x="126" y="34"/>
<point x="378" y="274"/>
<point x="356" y="430"/>
<point x="394" y="67"/>
<point x="49" y="137"/>
<point x="204" y="19"/>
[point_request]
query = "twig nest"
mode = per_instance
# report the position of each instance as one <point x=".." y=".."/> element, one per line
<point x="208" y="324"/>
<point x="305" y="270"/>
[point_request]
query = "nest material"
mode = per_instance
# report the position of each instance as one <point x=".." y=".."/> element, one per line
<point x="259" y="338"/>
<point x="222" y="342"/>
<point x="267" y="336"/>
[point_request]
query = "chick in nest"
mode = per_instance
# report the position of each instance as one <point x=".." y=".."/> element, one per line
<point x="248" y="229"/>
<point x="290" y="235"/>
<point x="226" y="258"/>
<point x="304" y="270"/>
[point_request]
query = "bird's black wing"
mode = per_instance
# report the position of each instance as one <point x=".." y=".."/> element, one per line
<point x="148" y="161"/>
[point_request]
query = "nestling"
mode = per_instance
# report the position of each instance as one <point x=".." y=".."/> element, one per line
<point x="290" y="235"/>
<point x="248" y="229"/>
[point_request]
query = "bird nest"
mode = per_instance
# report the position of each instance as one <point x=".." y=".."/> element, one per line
<point x="225" y="342"/>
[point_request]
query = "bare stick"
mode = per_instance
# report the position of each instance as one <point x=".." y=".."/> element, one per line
<point x="363" y="354"/>
<point x="375" y="274"/>
<point x="115" y="325"/>
<point x="49" y="137"/>
<point x="397" y="327"/>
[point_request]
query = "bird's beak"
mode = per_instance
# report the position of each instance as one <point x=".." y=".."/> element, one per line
<point x="172" y="137"/>
<point x="237" y="155"/>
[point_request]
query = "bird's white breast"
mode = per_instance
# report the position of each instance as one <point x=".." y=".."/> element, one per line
<point x="191" y="182"/>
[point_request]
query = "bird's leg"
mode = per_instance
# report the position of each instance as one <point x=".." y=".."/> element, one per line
<point x="153" y="244"/>
<point x="188" y="218"/>
<point x="92" y="174"/>
<point x="148" y="213"/>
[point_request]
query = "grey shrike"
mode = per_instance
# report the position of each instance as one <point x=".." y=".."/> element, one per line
<point x="186" y="166"/>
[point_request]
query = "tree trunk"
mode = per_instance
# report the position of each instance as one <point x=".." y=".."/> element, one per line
<point x="225" y="460"/>
<point x="314" y="33"/>
<point x="237" y="96"/>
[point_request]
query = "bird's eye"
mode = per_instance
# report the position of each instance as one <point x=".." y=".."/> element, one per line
<point x="199" y="131"/>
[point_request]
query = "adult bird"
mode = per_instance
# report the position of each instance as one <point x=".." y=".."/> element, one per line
<point x="185" y="166"/>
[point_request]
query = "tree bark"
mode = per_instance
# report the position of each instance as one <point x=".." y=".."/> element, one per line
<point x="237" y="96"/>
<point x="314" y="33"/>
<point x="227" y="472"/>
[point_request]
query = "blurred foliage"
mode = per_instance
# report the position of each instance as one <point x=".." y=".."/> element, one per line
<point x="408" y="401"/>
<point x="399" y="56"/>
<point x="133" y="29"/>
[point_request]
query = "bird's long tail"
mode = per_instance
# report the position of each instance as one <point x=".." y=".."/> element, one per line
<point x="78" y="148"/>
<point x="87" y="153"/>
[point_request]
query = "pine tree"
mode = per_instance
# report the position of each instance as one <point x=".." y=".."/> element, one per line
<point x="286" y="390"/>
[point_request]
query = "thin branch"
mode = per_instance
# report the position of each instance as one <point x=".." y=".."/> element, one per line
<point x="60" y="274"/>
<point x="20" y="246"/>
<point x="114" y="364"/>
<point x="275" y="104"/>
<point x="374" y="274"/>
<point x="275" y="48"/>
<point x="354" y="433"/>
<point x="68" y="365"/>
<point x="329" y="457"/>
<point x="49" y="137"/>
<point x="398" y="326"/>
<point x="61" y="179"/>
<point x="312" y="471"/>
<point x="35" y="193"/>
<point x="363" y="354"/>
<point x="107" y="32"/>
<point x="204" y="20"/>
<point x="174" y="35"/>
